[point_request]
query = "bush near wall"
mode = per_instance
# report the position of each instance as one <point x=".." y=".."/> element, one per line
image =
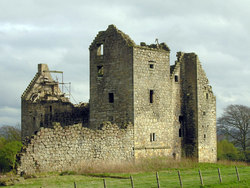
<point x="227" y="151"/>
<point x="8" y="151"/>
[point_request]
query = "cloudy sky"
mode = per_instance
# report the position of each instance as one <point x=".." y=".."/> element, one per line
<point x="59" y="32"/>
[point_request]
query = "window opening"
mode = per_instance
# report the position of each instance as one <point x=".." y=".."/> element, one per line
<point x="151" y="66"/>
<point x="204" y="113"/>
<point x="151" y="96"/>
<point x="180" y="119"/>
<point x="100" y="71"/>
<point x="176" y="79"/>
<point x="205" y="135"/>
<point x="180" y="132"/>
<point x="111" y="118"/>
<point x="152" y="137"/>
<point x="50" y="109"/>
<point x="100" y="49"/>
<point x="174" y="155"/>
<point x="206" y="95"/>
<point x="111" y="97"/>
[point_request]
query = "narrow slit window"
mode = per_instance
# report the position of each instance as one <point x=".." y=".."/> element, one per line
<point x="151" y="66"/>
<point x="100" y="49"/>
<point x="151" y="96"/>
<point x="100" y="71"/>
<point x="180" y="132"/>
<point x="176" y="79"/>
<point x="206" y="95"/>
<point x="180" y="119"/>
<point x="111" y="97"/>
<point x="205" y="135"/>
<point x="152" y="137"/>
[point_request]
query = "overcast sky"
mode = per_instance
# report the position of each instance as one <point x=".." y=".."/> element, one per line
<point x="59" y="32"/>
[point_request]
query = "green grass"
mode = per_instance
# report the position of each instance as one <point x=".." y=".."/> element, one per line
<point x="168" y="178"/>
<point x="144" y="176"/>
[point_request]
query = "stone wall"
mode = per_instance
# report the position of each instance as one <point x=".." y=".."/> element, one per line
<point x="198" y="110"/>
<point x="189" y="103"/>
<point x="176" y="97"/>
<point x="207" y="145"/>
<point x="44" y="103"/>
<point x="111" y="78"/>
<point x="72" y="147"/>
<point x="153" y="115"/>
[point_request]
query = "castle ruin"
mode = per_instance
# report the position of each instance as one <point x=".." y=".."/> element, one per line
<point x="140" y="106"/>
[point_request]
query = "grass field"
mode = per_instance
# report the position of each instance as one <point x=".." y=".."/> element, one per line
<point x="168" y="177"/>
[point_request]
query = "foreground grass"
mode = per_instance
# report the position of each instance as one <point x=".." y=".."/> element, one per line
<point x="168" y="177"/>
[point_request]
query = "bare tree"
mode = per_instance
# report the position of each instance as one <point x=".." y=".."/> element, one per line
<point x="234" y="123"/>
<point x="11" y="133"/>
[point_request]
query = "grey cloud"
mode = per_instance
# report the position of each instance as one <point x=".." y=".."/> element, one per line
<point x="59" y="33"/>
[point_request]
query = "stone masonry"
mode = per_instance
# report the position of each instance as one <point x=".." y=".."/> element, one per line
<point x="43" y="103"/>
<point x="72" y="147"/>
<point x="156" y="109"/>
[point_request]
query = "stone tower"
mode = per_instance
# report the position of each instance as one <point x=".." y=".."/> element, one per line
<point x="172" y="108"/>
<point x="131" y="83"/>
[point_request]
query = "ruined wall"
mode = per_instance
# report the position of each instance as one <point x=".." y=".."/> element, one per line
<point x="44" y="103"/>
<point x="152" y="102"/>
<point x="44" y="113"/>
<point x="172" y="109"/>
<point x="207" y="146"/>
<point x="73" y="147"/>
<point x="111" y="97"/>
<point x="189" y="103"/>
<point x="176" y="97"/>
<point x="198" y="109"/>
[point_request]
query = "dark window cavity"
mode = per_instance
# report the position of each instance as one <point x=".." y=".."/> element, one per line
<point x="111" y="97"/>
<point x="100" y="49"/>
<point x="205" y="135"/>
<point x="180" y="132"/>
<point x="206" y="95"/>
<point x="176" y="79"/>
<point x="111" y="118"/>
<point x="152" y="137"/>
<point x="180" y="119"/>
<point x="151" y="64"/>
<point x="174" y="155"/>
<point x="100" y="71"/>
<point x="151" y="96"/>
<point x="204" y="113"/>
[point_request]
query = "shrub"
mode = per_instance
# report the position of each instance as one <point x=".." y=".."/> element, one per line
<point x="227" y="151"/>
<point x="8" y="151"/>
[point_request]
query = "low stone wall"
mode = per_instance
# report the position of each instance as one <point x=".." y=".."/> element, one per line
<point x="73" y="147"/>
